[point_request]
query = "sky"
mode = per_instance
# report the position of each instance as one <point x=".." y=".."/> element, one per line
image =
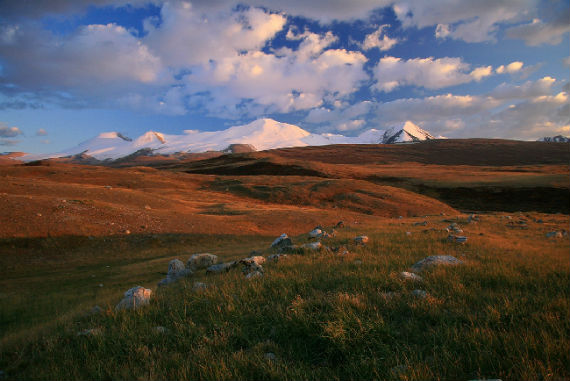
<point x="72" y="69"/>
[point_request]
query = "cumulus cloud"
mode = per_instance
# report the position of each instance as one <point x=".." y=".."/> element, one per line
<point x="511" y="68"/>
<point x="470" y="21"/>
<point x="538" y="32"/>
<point x="8" y="142"/>
<point x="41" y="132"/>
<point x="379" y="39"/>
<point x="9" y="132"/>
<point x="393" y="72"/>
<point x="527" y="111"/>
<point x="340" y="117"/>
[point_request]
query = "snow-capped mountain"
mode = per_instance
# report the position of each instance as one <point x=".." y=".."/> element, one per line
<point x="555" y="139"/>
<point x="262" y="134"/>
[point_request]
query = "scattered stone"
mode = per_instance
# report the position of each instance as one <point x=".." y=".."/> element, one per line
<point x="221" y="267"/>
<point x="410" y="276"/>
<point x="276" y="257"/>
<point x="288" y="249"/>
<point x="456" y="238"/>
<point x="361" y="240"/>
<point x="435" y="260"/>
<point x="39" y="214"/>
<point x="400" y="217"/>
<point x="90" y="332"/>
<point x="100" y="284"/>
<point x="160" y="330"/>
<point x="472" y="218"/>
<point x="408" y="233"/>
<point x="108" y="187"/>
<point x="357" y="262"/>
<point x="96" y="310"/>
<point x="423" y="223"/>
<point x="312" y="246"/>
<point x="254" y="274"/>
<point x="269" y="356"/>
<point x="419" y="294"/>
<point x="339" y="225"/>
<point x="389" y="295"/>
<point x="454" y="227"/>
<point x="147" y="207"/>
<point x="201" y="261"/>
<point x="539" y="221"/>
<point x="134" y="298"/>
<point x="555" y="234"/>
<point x="315" y="233"/>
<point x="199" y="286"/>
<point x="341" y="250"/>
<point x="176" y="270"/>
<point x="282" y="241"/>
<point x="127" y="232"/>
<point x="258" y="260"/>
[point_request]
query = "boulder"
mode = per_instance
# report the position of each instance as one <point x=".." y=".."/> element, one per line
<point x="276" y="257"/>
<point x="315" y="233"/>
<point x="361" y="240"/>
<point x="421" y="294"/>
<point x="176" y="270"/>
<point x="554" y="235"/>
<point x="201" y="261"/>
<point x="436" y="260"/>
<point x="423" y="223"/>
<point x="134" y="298"/>
<point x="312" y="246"/>
<point x="339" y="225"/>
<point x="454" y="228"/>
<point x="282" y="241"/>
<point x="254" y="274"/>
<point x="456" y="238"/>
<point x="410" y="276"/>
<point x="258" y="260"/>
<point x="221" y="267"/>
<point x="199" y="286"/>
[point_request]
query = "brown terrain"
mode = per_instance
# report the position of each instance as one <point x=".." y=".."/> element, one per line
<point x="289" y="189"/>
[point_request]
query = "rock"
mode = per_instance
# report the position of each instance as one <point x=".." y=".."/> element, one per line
<point x="254" y="274"/>
<point x="288" y="249"/>
<point x="357" y="262"/>
<point x="554" y="234"/>
<point x="315" y="233"/>
<point x="411" y="276"/>
<point x="176" y="270"/>
<point x="252" y="267"/>
<point x="147" y="207"/>
<point x="127" y="232"/>
<point x="341" y="250"/>
<point x="408" y="233"/>
<point x="339" y="225"/>
<point x="96" y="310"/>
<point x="199" y="286"/>
<point x="361" y="240"/>
<point x="134" y="298"/>
<point x="221" y="267"/>
<point x="419" y="294"/>
<point x="436" y="260"/>
<point x="312" y="246"/>
<point x="201" y="261"/>
<point x="389" y="295"/>
<point x="269" y="356"/>
<point x="160" y="330"/>
<point x="423" y="223"/>
<point x="460" y="239"/>
<point x="90" y="332"/>
<point x="258" y="260"/>
<point x="282" y="241"/>
<point x="276" y="257"/>
<point x="454" y="228"/>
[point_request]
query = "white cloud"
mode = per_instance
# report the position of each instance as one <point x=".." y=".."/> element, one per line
<point x="41" y="132"/>
<point x="538" y="32"/>
<point x="528" y="111"/>
<point x="511" y="68"/>
<point x="379" y="39"/>
<point x="9" y="132"/>
<point x="392" y="72"/>
<point x="341" y="117"/>
<point x="470" y="21"/>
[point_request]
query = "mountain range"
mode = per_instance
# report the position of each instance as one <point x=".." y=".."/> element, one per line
<point x="261" y="134"/>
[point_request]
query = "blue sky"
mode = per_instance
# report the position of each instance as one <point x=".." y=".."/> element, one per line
<point x="71" y="69"/>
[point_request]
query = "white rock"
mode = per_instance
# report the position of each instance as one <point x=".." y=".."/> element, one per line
<point x="176" y="270"/>
<point x="257" y="259"/>
<point x="221" y="267"/>
<point x="134" y="298"/>
<point x="411" y="276"/>
<point x="201" y="261"/>
<point x="419" y="294"/>
<point x="361" y="240"/>
<point x="276" y="257"/>
<point x="436" y="260"/>
<point x="315" y="233"/>
<point x="312" y="246"/>
<point x="254" y="274"/>
<point x="554" y="235"/>
<point x="282" y="240"/>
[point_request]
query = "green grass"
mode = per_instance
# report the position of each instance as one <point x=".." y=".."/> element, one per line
<point x="504" y="314"/>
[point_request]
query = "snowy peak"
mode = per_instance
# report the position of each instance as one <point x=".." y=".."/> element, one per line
<point x="261" y="134"/>
<point x="408" y="132"/>
<point x="555" y="139"/>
